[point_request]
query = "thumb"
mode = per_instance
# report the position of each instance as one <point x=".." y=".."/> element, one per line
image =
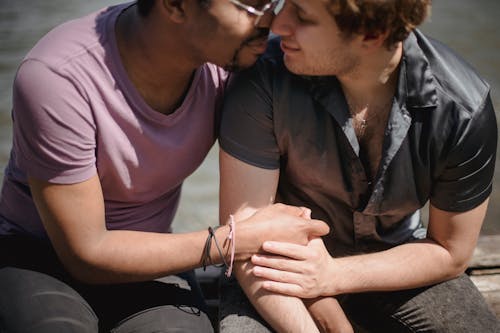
<point x="316" y="242"/>
<point x="317" y="228"/>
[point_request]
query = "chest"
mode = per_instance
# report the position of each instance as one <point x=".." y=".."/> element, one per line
<point x="324" y="155"/>
<point x="370" y="134"/>
<point x="139" y="160"/>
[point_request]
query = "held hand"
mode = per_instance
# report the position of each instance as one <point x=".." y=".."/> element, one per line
<point x="279" y="223"/>
<point x="295" y="270"/>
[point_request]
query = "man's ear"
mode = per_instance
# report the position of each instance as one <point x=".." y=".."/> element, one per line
<point x="374" y="40"/>
<point x="175" y="10"/>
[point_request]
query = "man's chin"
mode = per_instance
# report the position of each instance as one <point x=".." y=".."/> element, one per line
<point x="291" y="67"/>
<point x="295" y="68"/>
<point x="242" y="63"/>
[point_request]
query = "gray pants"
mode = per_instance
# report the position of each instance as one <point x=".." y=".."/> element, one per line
<point x="455" y="306"/>
<point x="38" y="296"/>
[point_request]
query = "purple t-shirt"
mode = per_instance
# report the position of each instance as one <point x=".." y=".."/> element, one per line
<point x="76" y="113"/>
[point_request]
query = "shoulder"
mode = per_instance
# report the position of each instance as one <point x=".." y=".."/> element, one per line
<point x="80" y="54"/>
<point x="271" y="63"/>
<point x="75" y="39"/>
<point x="456" y="80"/>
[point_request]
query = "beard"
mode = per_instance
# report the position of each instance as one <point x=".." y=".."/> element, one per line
<point x="323" y="64"/>
<point x="236" y="65"/>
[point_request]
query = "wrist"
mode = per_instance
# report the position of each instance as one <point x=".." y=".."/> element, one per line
<point x="221" y="235"/>
<point x="219" y="246"/>
<point x="231" y="239"/>
<point x="244" y="242"/>
<point x="335" y="285"/>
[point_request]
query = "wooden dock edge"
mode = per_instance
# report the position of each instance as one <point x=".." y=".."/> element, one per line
<point x="484" y="270"/>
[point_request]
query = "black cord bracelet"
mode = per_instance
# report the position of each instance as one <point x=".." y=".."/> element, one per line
<point x="206" y="259"/>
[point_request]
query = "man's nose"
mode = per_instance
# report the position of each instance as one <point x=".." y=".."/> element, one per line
<point x="266" y="20"/>
<point x="281" y="24"/>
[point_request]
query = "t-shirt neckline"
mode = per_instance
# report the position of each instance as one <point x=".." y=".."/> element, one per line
<point x="131" y="93"/>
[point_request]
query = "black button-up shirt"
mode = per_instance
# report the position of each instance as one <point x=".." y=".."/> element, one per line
<point x="439" y="144"/>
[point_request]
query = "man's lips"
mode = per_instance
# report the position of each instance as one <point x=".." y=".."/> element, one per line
<point x="288" y="47"/>
<point x="259" y="45"/>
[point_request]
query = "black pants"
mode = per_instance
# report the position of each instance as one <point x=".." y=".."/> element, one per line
<point x="37" y="295"/>
<point x="454" y="306"/>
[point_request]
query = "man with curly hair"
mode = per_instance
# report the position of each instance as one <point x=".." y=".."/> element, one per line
<point x="357" y="115"/>
<point x="111" y="113"/>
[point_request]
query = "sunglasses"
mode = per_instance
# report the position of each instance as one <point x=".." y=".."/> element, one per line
<point x="271" y="6"/>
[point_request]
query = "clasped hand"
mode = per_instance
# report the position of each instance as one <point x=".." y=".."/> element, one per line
<point x="297" y="270"/>
<point x="279" y="223"/>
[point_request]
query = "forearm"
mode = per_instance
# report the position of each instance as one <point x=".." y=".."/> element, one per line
<point x="328" y="315"/>
<point x="102" y="256"/>
<point x="444" y="254"/>
<point x="96" y="255"/>
<point x="406" y="266"/>
<point x="283" y="313"/>
<point x="126" y="256"/>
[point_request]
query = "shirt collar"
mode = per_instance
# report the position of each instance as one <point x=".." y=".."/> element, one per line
<point x="416" y="86"/>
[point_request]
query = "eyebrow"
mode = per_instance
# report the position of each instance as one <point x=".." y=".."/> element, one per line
<point x="300" y="5"/>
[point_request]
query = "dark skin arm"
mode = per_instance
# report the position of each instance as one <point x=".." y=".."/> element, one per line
<point x="74" y="218"/>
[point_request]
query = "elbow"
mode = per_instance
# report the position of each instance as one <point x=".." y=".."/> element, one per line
<point x="452" y="261"/>
<point x="82" y="267"/>
<point x="81" y="275"/>
<point x="458" y="264"/>
<point x="455" y="271"/>
<point x="80" y="270"/>
<point x="86" y="274"/>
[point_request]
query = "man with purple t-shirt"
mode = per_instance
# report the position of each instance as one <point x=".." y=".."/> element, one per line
<point x="111" y="112"/>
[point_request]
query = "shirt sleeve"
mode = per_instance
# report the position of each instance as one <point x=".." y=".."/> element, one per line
<point x="54" y="131"/>
<point x="466" y="180"/>
<point x="247" y="129"/>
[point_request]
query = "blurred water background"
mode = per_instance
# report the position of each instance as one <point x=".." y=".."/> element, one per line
<point x="470" y="27"/>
